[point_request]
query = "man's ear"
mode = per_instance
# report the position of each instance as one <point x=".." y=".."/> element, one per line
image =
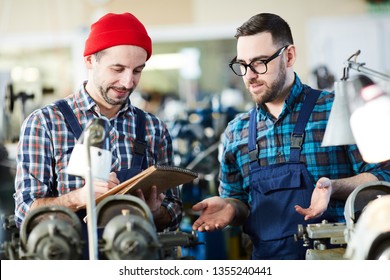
<point x="291" y="55"/>
<point x="89" y="60"/>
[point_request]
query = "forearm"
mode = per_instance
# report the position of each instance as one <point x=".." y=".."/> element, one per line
<point x="68" y="200"/>
<point x="241" y="211"/>
<point x="342" y="188"/>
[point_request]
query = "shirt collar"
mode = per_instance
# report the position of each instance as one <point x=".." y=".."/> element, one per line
<point x="293" y="97"/>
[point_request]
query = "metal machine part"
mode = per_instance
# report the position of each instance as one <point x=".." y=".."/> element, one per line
<point x="172" y="241"/>
<point x="178" y="238"/>
<point x="370" y="238"/>
<point x="326" y="239"/>
<point x="51" y="233"/>
<point x="129" y="231"/>
<point x="9" y="248"/>
<point x="355" y="239"/>
<point x="129" y="237"/>
<point x="358" y="201"/>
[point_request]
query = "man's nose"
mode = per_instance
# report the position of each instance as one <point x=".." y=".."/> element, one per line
<point x="127" y="80"/>
<point x="250" y="74"/>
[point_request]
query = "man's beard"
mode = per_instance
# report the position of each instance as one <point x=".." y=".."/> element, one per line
<point x="275" y="90"/>
<point x="104" y="94"/>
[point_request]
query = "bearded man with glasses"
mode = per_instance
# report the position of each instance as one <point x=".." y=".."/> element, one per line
<point x="274" y="174"/>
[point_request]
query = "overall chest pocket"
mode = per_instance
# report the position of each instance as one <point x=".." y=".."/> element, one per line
<point x="275" y="190"/>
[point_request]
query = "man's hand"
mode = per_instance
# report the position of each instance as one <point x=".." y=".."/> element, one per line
<point x="319" y="200"/>
<point x="217" y="213"/>
<point x="99" y="187"/>
<point x="154" y="199"/>
<point x="161" y="216"/>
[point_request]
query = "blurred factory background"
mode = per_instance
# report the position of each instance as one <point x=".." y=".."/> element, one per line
<point x="186" y="82"/>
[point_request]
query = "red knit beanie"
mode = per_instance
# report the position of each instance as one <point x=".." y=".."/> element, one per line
<point x="117" y="29"/>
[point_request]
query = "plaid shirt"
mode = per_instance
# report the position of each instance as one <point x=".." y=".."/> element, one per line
<point x="273" y="139"/>
<point x="46" y="144"/>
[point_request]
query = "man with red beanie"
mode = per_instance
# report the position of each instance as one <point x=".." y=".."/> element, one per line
<point x="115" y="54"/>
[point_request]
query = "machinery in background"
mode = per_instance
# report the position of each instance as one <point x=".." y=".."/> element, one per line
<point x="17" y="101"/>
<point x="126" y="232"/>
<point x="358" y="238"/>
<point x="12" y="97"/>
<point x="196" y="144"/>
<point x="7" y="176"/>
<point x="196" y="141"/>
<point x="324" y="79"/>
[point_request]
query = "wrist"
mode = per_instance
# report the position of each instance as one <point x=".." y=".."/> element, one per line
<point x="158" y="213"/>
<point x="161" y="218"/>
<point x="238" y="210"/>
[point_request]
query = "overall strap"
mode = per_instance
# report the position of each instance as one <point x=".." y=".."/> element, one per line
<point x="297" y="136"/>
<point x="252" y="145"/>
<point x="70" y="118"/>
<point x="139" y="142"/>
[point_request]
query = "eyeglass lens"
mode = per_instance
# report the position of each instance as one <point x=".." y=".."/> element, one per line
<point x="258" y="66"/>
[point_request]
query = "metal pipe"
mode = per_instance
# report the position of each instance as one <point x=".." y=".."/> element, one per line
<point x="91" y="206"/>
<point x="361" y="68"/>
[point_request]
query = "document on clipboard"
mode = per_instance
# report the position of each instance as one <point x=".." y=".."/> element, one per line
<point x="163" y="177"/>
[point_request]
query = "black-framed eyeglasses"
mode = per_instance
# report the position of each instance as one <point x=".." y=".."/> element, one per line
<point x="258" y="66"/>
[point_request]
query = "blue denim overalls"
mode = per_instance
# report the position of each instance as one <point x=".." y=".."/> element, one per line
<point x="138" y="163"/>
<point x="275" y="189"/>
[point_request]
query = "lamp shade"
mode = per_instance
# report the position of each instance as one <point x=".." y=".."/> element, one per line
<point x="338" y="130"/>
<point x="370" y="124"/>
